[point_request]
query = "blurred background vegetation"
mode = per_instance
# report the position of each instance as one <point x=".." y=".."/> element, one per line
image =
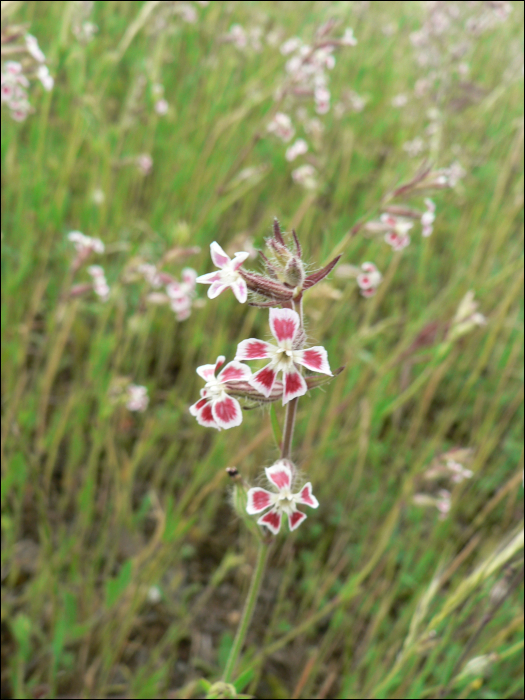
<point x="124" y="567"/>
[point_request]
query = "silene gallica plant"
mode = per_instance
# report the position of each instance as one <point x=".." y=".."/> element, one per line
<point x="291" y="368"/>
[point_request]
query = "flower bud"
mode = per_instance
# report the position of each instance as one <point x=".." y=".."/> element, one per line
<point x="294" y="273"/>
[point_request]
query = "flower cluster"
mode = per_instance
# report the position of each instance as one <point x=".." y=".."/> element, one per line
<point x="397" y="220"/>
<point x="179" y="295"/>
<point x="281" y="289"/>
<point x="446" y="469"/>
<point x="16" y="75"/>
<point x="306" y="78"/>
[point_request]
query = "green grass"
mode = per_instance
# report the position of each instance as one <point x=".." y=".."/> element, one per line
<point x="373" y="596"/>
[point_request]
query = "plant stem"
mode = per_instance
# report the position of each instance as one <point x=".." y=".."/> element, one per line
<point x="289" y="424"/>
<point x="253" y="593"/>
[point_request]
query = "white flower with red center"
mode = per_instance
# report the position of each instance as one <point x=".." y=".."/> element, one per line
<point x="227" y="275"/>
<point x="215" y="409"/>
<point x="283" y="501"/>
<point x="285" y="325"/>
<point x="369" y="279"/>
<point x="397" y="236"/>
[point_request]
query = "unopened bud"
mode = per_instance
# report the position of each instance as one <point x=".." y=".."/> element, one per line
<point x="294" y="273"/>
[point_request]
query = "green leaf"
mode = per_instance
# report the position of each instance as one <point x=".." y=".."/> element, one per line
<point x="243" y="680"/>
<point x="115" y="587"/>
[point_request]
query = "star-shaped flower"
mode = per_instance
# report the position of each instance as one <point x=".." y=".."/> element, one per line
<point x="215" y="408"/>
<point x="283" y="501"/>
<point x="285" y="325"/>
<point x="227" y="275"/>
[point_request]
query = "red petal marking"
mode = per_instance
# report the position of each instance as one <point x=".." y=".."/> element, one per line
<point x="315" y="359"/>
<point x="295" y="519"/>
<point x="219" y="257"/>
<point x="205" y="417"/>
<point x="263" y="380"/>
<point x="253" y="349"/>
<point x="294" y="385"/>
<point x="219" y="363"/>
<point x="280" y="476"/>
<point x="258" y="499"/>
<point x="284" y="324"/>
<point x="234" y="370"/>
<point x="227" y="412"/>
<point x="201" y="403"/>
<point x="307" y="497"/>
<point x="272" y="520"/>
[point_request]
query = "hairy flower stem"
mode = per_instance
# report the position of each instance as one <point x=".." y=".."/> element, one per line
<point x="253" y="594"/>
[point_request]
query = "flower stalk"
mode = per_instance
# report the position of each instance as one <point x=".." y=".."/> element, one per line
<point x="253" y="594"/>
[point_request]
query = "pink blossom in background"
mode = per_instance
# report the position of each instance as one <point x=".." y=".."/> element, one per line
<point x="282" y="501"/>
<point x="215" y="408"/>
<point x="85" y="244"/>
<point x="45" y="78"/>
<point x="298" y="148"/>
<point x="281" y="125"/>
<point x="144" y="163"/>
<point x="181" y="293"/>
<point x="348" y="38"/>
<point x="397" y="237"/>
<point x="137" y="398"/>
<point x="305" y="175"/>
<point x="34" y="49"/>
<point x="285" y="326"/>
<point x="161" y="107"/>
<point x="227" y="275"/>
<point x="428" y="218"/>
<point x="369" y="279"/>
<point x="100" y="285"/>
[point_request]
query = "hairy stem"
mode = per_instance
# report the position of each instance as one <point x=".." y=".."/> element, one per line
<point x="247" y="613"/>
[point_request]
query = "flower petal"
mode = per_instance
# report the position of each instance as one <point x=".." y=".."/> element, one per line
<point x="284" y="324"/>
<point x="205" y="417"/>
<point x="306" y="496"/>
<point x="195" y="408"/>
<point x="208" y="278"/>
<point x="219" y="363"/>
<point x="207" y="372"/>
<point x="234" y="371"/>
<point x="253" y="349"/>
<point x="294" y="385"/>
<point x="239" y="259"/>
<point x="264" y="379"/>
<point x="217" y="288"/>
<point x="272" y="520"/>
<point x="240" y="290"/>
<point x="280" y="475"/>
<point x="258" y="500"/>
<point x="227" y="412"/>
<point x="219" y="257"/>
<point x="315" y="358"/>
<point x="189" y="276"/>
<point x="295" y="519"/>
